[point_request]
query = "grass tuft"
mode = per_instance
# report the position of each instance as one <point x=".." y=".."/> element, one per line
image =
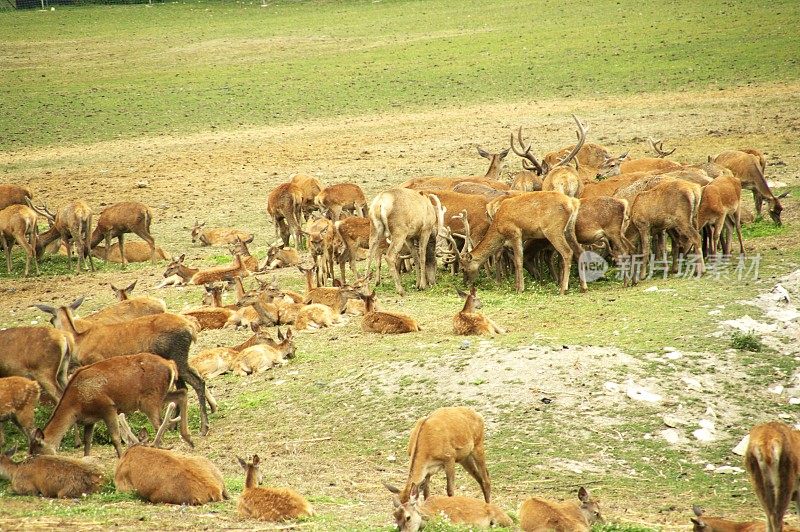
<point x="746" y="341"/>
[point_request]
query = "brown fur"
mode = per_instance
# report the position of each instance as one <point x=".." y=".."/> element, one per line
<point x="52" y="476"/>
<point x="334" y="297"/>
<point x="125" y="217"/>
<point x="526" y="181"/>
<point x="455" y="203"/>
<point x="134" y="252"/>
<point x="310" y="187"/>
<point x="648" y="164"/>
<point x="749" y="166"/>
<point x="315" y="316"/>
<point x="468" y="322"/>
<point x="385" y="322"/>
<point x="125" y="309"/>
<point x="265" y="355"/>
<point x="72" y="224"/>
<point x="210" y="363"/>
<point x="39" y="353"/>
<point x="278" y="257"/>
<point x="18" y="399"/>
<point x="490" y="178"/>
<point x="542" y="515"/>
<point x="772" y="460"/>
<point x="721" y="201"/>
<point x="269" y="504"/>
<point x="604" y="218"/>
<point x="122" y="384"/>
<point x="549" y="215"/>
<point x="412" y="515"/>
<point x="447" y="436"/>
<point x="342" y="196"/>
<point x="354" y="232"/>
<point x="218" y="236"/>
<point x="322" y="237"/>
<point x="564" y="179"/>
<point x="18" y="225"/>
<point x="702" y="523"/>
<point x="214" y="274"/>
<point x="13" y="195"/>
<point x="283" y="206"/>
<point x="213" y="317"/>
<point x="239" y="247"/>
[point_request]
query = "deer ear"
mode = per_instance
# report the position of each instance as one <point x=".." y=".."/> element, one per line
<point x="413" y="494"/>
<point x="144" y="437"/>
<point x="45" y="308"/>
<point x="698" y="522"/>
<point x="182" y="257"/>
<point x="484" y="153"/>
<point x="256" y="460"/>
<point x="583" y="495"/>
<point x="288" y="333"/>
<point x="280" y="334"/>
<point x="697" y="510"/>
<point x="77" y="303"/>
<point x="132" y="286"/>
<point x="473" y="290"/>
<point x="461" y="293"/>
<point x="242" y="463"/>
<point x="337" y="283"/>
<point x="503" y="153"/>
<point x="114" y="288"/>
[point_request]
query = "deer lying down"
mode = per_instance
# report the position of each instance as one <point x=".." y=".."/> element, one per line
<point x="218" y="236"/>
<point x="385" y="322"/>
<point x="717" y="524"/>
<point x="134" y="252"/>
<point x="469" y="322"/>
<point x="51" y="476"/>
<point x="542" y="515"/>
<point x="269" y="504"/>
<point x="261" y="357"/>
<point x="315" y="316"/>
<point x="412" y="515"/>
<point x="18" y="399"/>
<point x="163" y="476"/>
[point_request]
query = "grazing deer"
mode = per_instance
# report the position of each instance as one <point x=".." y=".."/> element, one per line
<point x="72" y="224"/>
<point x="269" y="504"/>
<point x="218" y="236"/>
<point x="702" y="523"/>
<point x="51" y="476"/>
<point x="278" y="257"/>
<point x="239" y="247"/>
<point x="454" y="205"/>
<point x="310" y="186"/>
<point x="18" y="224"/>
<point x="213" y="274"/>
<point x="283" y="206"/>
<point x="161" y="476"/>
<point x="548" y="215"/>
<point x="490" y="179"/>
<point x="721" y="202"/>
<point x="749" y="167"/>
<point x="772" y="460"/>
<point x="543" y="515"/>
<point x="447" y="436"/>
<point x="125" y="217"/>
<point x="134" y="252"/>
<point x="321" y="237"/>
<point x="401" y="216"/>
<point x="413" y="514"/>
<point x="468" y="322"/>
<point x="39" y="353"/>
<point x="604" y="219"/>
<point x="385" y="322"/>
<point x="13" y="195"/>
<point x="265" y="355"/>
<point x="167" y="335"/>
<point x="341" y="197"/>
<point x="122" y="384"/>
<point x="18" y="399"/>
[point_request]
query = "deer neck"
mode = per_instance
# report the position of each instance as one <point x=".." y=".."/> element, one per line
<point x="250" y="479"/>
<point x="185" y="272"/>
<point x="488" y="246"/>
<point x="67" y="324"/>
<point x="369" y="304"/>
<point x="494" y="168"/>
<point x="44" y="239"/>
<point x="239" y="287"/>
<point x="217" y="295"/>
<point x="253" y="340"/>
<point x="61" y="421"/>
<point x="7" y="466"/>
<point x="469" y="304"/>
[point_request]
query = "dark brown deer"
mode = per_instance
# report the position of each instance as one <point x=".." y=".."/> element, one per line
<point x="341" y="197"/>
<point x="284" y="205"/>
<point x="13" y="195"/>
<point x="18" y="225"/>
<point x="39" y="353"/>
<point x="121" y="218"/>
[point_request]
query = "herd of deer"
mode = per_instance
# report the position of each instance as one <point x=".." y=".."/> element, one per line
<point x="134" y="355"/>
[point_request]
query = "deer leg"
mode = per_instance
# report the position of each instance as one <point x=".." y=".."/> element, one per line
<point x="737" y="224"/>
<point x="283" y="231"/>
<point x="715" y="237"/>
<point x="191" y="377"/>
<point x="644" y="237"/>
<point x="519" y="281"/>
<point x="450" y="474"/>
<point x="391" y="259"/>
<point x="112" y="423"/>
<point x="426" y="486"/>
<point x="758" y="200"/>
<point x="475" y="464"/>
<point x="88" y="433"/>
<point x="7" y="249"/>
<point x="87" y="249"/>
<point x="422" y="256"/>
<point x="145" y="235"/>
<point x="181" y="399"/>
<point x="121" y="240"/>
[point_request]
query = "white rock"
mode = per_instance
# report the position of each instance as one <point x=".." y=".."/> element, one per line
<point x="777" y="390"/>
<point x="391" y="458"/>
<point x="612" y="386"/>
<point x="648" y="436"/>
<point x="671" y="421"/>
<point x="748" y="324"/>
<point x="640" y="393"/>
<point x="703" y="435"/>
<point x="781" y="293"/>
<point x="741" y="447"/>
<point x="669" y="348"/>
<point x="692" y="383"/>
<point x="726" y="469"/>
<point x="710" y="467"/>
<point x="671" y="435"/>
<point x="794" y="400"/>
<point x="714" y="312"/>
<point x="674" y="355"/>
<point x="707" y="424"/>
<point x="651" y="289"/>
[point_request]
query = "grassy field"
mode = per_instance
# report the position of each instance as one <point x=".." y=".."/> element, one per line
<point x="213" y="105"/>
<point x="195" y="66"/>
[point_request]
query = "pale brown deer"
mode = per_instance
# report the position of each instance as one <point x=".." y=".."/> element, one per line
<point x="721" y="202"/>
<point x="51" y="476"/>
<point x="269" y="504"/>
<point x="218" y="236"/>
<point x="772" y="460"/>
<point x="750" y="168"/>
<point x="491" y="178"/>
<point x="310" y="187"/>
<point x="134" y="252"/>
<point x="13" y="195"/>
<point x="543" y="515"/>
<point x="264" y="355"/>
<point x="354" y="232"/>
<point x="214" y="274"/>
<point x="284" y="205"/>
<point x="239" y="247"/>
<point x="72" y="224"/>
<point x="341" y="197"/>
<point x="18" y="399"/>
<point x="121" y="218"/>
<point x="702" y="523"/>
<point x="39" y="353"/>
<point x="385" y="322"/>
<point x="468" y="322"/>
<point x="18" y="225"/>
<point x="279" y="257"/>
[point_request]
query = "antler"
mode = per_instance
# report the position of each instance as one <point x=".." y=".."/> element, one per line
<point x="526" y="153"/>
<point x="658" y="147"/>
<point x="43" y="210"/>
<point x="581" y="139"/>
<point x="467" y="233"/>
<point x="167" y="420"/>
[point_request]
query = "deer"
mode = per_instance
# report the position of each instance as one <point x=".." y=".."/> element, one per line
<point x="13" y="195"/>
<point x="162" y="476"/>
<point x="167" y="335"/>
<point x="604" y="219"/>
<point x="772" y="460"/>
<point x="445" y="437"/>
<point x="455" y="205"/>
<point x="239" y="247"/>
<point x="18" y="224"/>
<point x="334" y="297"/>
<point x="269" y="504"/>
<point x="265" y="354"/>
<point x="542" y="515"/>
<point x="214" y="317"/>
<point x="121" y="218"/>
<point x="400" y="215"/>
<point x="18" y="399"/>
<point x="100" y="391"/>
<point x="134" y="252"/>
<point x="468" y="322"/>
<point x="51" y="476"/>
<point x="42" y="354"/>
<point x="491" y="178"/>
<point x="321" y="237"/>
<point x="385" y="322"/>
<point x="125" y="309"/>
<point x="219" y="236"/>
<point x="721" y="201"/>
<point x="214" y="274"/>
<point x="315" y="316"/>
<point x="750" y="168"/>
<point x="284" y="204"/>
<point x="413" y="514"/>
<point x="216" y="361"/>
<point x="549" y="215"/>
<point x="341" y="197"/>
<point x="703" y="523"/>
<point x="279" y="257"/>
<point x="310" y="186"/>
<point x="354" y="232"/>
<point x="72" y="224"/>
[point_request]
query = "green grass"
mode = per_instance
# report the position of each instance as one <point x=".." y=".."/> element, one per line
<point x="746" y="341"/>
<point x="201" y="66"/>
